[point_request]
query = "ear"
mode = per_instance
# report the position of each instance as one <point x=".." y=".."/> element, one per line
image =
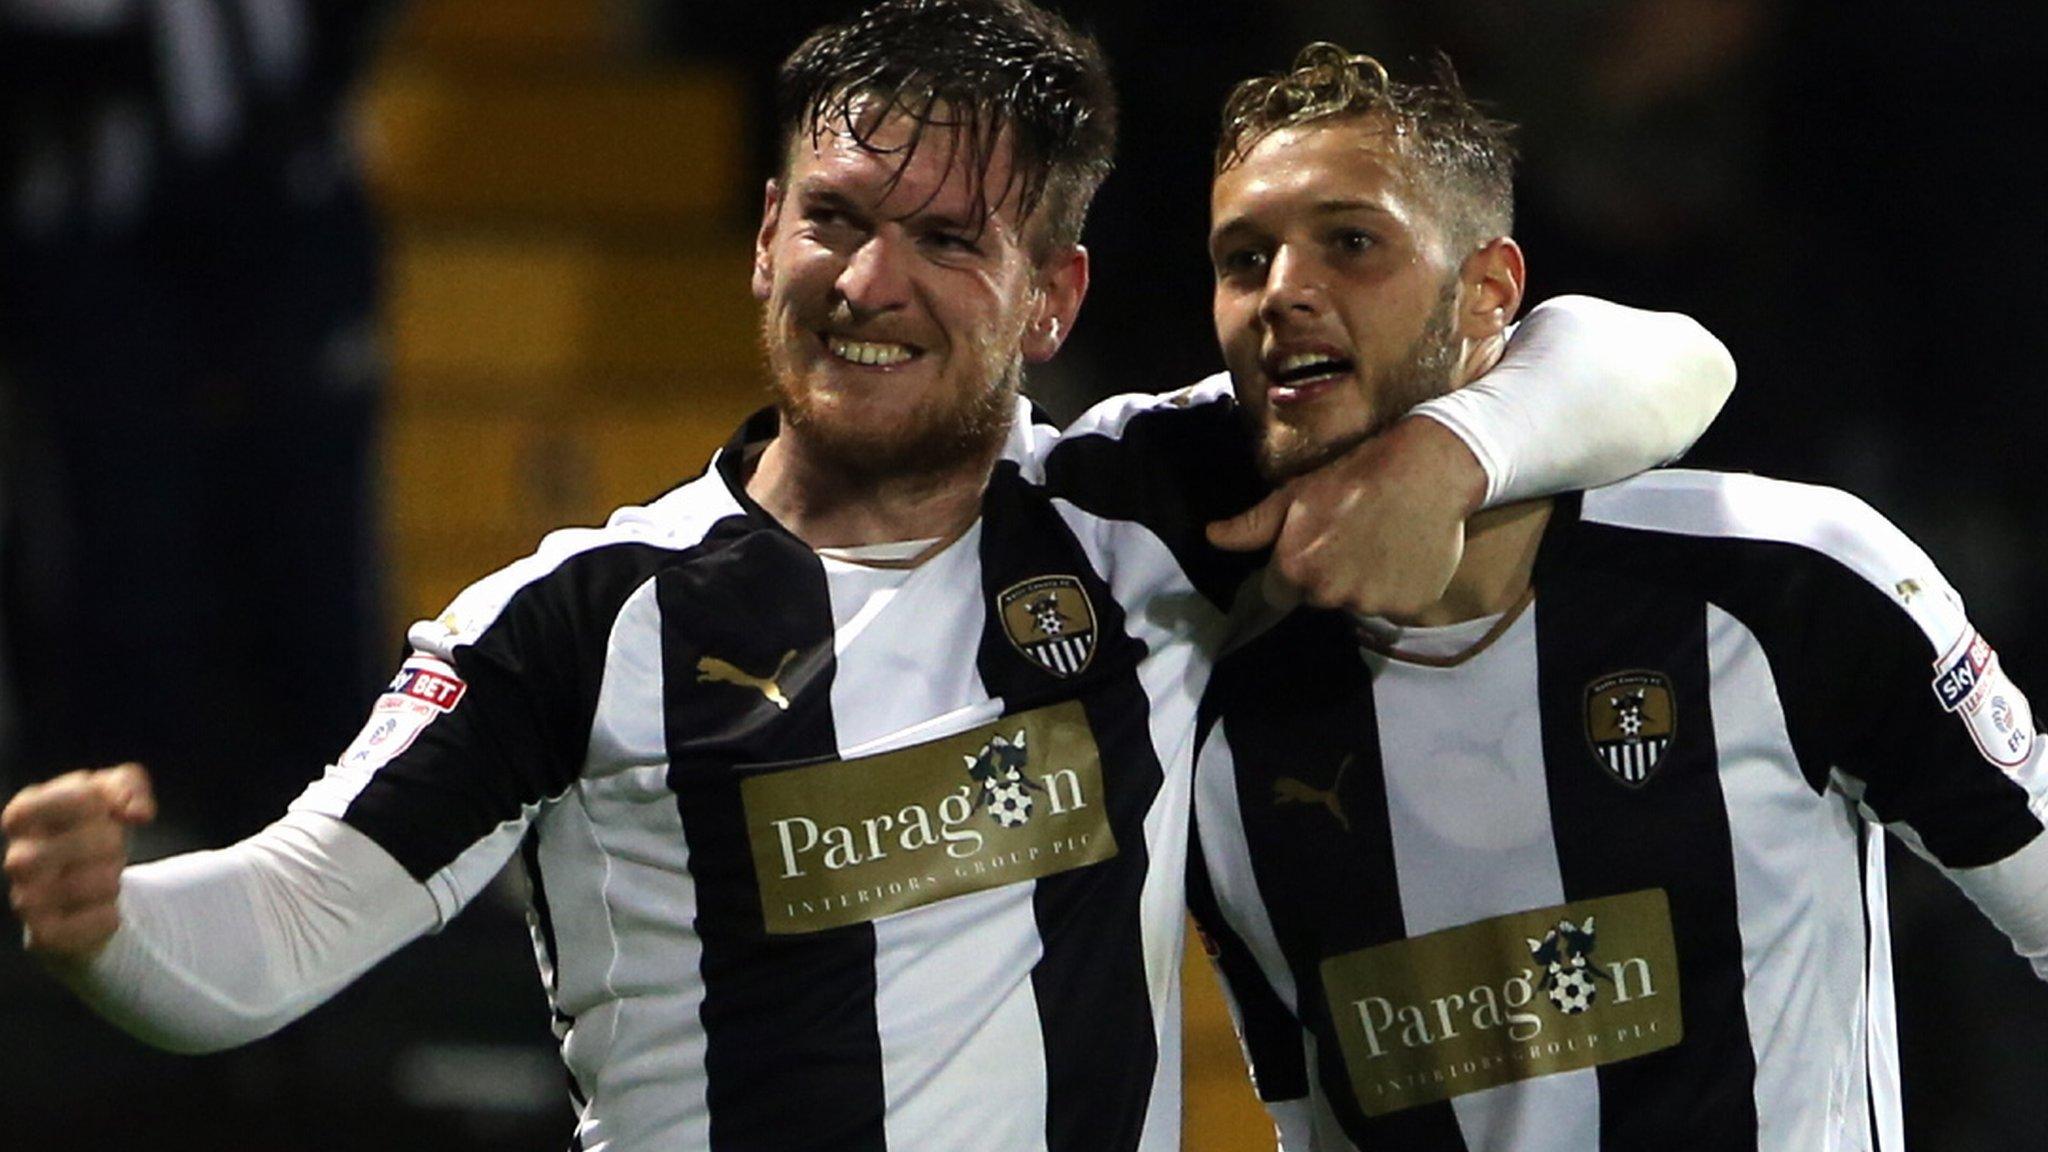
<point x="1490" y="288"/>
<point x="764" y="240"/>
<point x="1062" y="285"/>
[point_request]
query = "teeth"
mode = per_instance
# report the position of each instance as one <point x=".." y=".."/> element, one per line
<point x="871" y="353"/>
<point x="1299" y="360"/>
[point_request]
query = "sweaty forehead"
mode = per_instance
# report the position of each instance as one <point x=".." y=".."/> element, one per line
<point x="1317" y="166"/>
<point x="905" y="166"/>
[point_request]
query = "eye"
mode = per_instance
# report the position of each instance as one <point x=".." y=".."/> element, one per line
<point x="830" y="223"/>
<point x="953" y="243"/>
<point x="1241" y="263"/>
<point x="1351" y="240"/>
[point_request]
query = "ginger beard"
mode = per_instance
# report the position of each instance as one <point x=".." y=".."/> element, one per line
<point x="949" y="430"/>
<point x="1294" y="445"/>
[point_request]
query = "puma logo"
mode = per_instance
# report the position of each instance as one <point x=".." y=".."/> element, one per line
<point x="710" y="669"/>
<point x="1288" y="790"/>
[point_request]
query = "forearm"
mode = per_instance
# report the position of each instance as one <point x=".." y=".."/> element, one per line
<point x="220" y="948"/>
<point x="1587" y="393"/>
<point x="2013" y="894"/>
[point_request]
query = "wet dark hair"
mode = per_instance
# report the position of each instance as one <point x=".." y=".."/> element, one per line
<point x="1458" y="151"/>
<point x="975" y="66"/>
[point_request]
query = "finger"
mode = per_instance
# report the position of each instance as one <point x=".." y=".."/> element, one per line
<point x="88" y="843"/>
<point x="53" y="806"/>
<point x="128" y="792"/>
<point x="65" y="893"/>
<point x="75" y="938"/>
<point x="82" y="889"/>
<point x="1254" y="528"/>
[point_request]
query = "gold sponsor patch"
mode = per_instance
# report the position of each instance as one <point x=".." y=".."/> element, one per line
<point x="1050" y="621"/>
<point x="852" y="840"/>
<point x="1512" y="998"/>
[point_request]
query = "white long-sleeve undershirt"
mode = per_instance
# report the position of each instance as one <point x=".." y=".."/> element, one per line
<point x="219" y="948"/>
<point x="1587" y="393"/>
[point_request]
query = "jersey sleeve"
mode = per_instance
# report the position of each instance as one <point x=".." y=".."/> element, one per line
<point x="1910" y="706"/>
<point x="1171" y="463"/>
<point x="488" y="718"/>
<point x="1890" y="696"/>
<point x="1587" y="393"/>
<point x="1945" y="752"/>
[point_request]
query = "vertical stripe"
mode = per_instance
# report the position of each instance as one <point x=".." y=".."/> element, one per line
<point x="1298" y="711"/>
<point x="1880" y="1023"/>
<point x="1671" y="833"/>
<point x="954" y="1004"/>
<point x="623" y="900"/>
<point x="1101" y="1046"/>
<point x="1798" y="895"/>
<point x="786" y="1019"/>
<point x="1221" y="892"/>
<point x="1181" y="631"/>
<point x="1469" y="815"/>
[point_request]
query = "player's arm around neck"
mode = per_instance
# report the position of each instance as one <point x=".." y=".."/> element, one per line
<point x="1588" y="392"/>
<point x="1585" y="393"/>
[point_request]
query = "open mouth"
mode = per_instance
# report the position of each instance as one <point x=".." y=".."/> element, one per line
<point x="869" y="353"/>
<point x="1299" y="375"/>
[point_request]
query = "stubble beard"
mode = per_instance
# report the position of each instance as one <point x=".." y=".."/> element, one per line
<point x="949" y="433"/>
<point x="1423" y="372"/>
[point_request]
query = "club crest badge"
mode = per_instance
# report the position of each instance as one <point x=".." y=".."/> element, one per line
<point x="1050" y="621"/>
<point x="1630" y="720"/>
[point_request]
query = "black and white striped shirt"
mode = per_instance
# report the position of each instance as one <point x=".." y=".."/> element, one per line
<point x="1606" y="878"/>
<point x="836" y="856"/>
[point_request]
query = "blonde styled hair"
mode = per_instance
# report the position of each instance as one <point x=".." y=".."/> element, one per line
<point x="1456" y="151"/>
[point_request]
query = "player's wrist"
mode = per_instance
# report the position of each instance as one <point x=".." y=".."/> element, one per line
<point x="1445" y="455"/>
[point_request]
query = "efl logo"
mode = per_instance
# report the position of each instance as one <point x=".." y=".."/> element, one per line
<point x="429" y="687"/>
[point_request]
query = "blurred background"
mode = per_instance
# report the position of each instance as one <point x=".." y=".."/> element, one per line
<point x="312" y="311"/>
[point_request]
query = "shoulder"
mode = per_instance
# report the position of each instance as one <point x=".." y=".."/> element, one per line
<point x="1123" y="428"/>
<point x="1775" y="537"/>
<point x="583" y="569"/>
<point x="1114" y="417"/>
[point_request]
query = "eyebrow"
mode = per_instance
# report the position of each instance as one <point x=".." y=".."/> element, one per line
<point x="813" y="190"/>
<point x="1238" y="224"/>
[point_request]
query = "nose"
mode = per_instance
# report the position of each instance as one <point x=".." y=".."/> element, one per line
<point x="1292" y="287"/>
<point x="874" y="279"/>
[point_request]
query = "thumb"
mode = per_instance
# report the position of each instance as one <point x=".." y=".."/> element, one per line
<point x="128" y="794"/>
<point x="1254" y="528"/>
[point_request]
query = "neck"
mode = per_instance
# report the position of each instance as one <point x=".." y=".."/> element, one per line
<point x="1500" y="555"/>
<point x="830" y="507"/>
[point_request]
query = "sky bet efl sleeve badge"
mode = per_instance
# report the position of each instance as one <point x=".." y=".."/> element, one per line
<point x="1630" y="720"/>
<point x="1050" y="621"/>
<point x="423" y="689"/>
<point x="1970" y="681"/>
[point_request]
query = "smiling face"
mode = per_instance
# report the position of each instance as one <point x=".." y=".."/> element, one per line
<point x="1337" y="301"/>
<point x="899" y="307"/>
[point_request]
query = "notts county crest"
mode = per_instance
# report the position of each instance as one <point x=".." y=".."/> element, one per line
<point x="1050" y="621"/>
<point x="1630" y="719"/>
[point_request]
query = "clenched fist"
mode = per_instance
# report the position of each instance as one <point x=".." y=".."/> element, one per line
<point x="67" y="841"/>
